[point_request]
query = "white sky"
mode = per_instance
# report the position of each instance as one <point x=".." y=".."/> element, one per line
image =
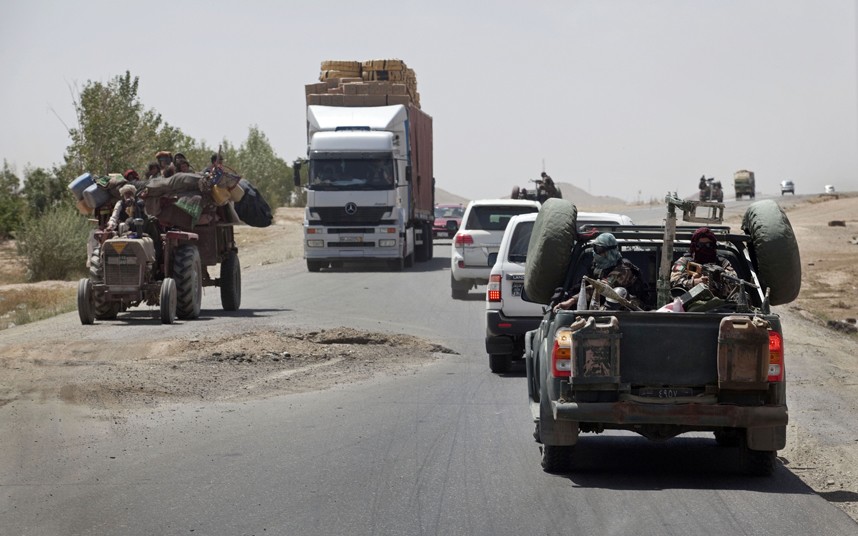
<point x="617" y="97"/>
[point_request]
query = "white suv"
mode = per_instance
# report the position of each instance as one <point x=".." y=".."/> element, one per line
<point x="480" y="235"/>
<point x="508" y="317"/>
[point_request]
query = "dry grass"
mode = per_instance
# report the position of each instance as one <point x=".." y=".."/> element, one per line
<point x="21" y="305"/>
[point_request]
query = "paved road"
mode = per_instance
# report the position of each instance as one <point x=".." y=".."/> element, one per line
<point x="447" y="450"/>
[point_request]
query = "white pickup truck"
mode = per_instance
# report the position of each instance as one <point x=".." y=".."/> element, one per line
<point x="508" y="317"/>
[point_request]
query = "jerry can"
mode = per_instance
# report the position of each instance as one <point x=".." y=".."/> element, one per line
<point x="743" y="353"/>
<point x="596" y="351"/>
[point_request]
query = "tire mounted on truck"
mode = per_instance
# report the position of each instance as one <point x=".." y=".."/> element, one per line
<point x="775" y="252"/>
<point x="550" y="249"/>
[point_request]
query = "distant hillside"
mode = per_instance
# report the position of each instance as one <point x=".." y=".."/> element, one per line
<point x="582" y="199"/>
<point x="443" y="197"/>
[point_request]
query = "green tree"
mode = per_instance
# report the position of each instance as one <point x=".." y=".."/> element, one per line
<point x="11" y="203"/>
<point x="257" y="162"/>
<point x="114" y="132"/>
<point x="43" y="190"/>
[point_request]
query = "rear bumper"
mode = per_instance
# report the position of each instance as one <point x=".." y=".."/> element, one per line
<point x="504" y="334"/>
<point x="702" y="415"/>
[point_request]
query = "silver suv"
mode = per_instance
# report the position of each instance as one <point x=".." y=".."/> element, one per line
<point x="508" y="317"/>
<point x="478" y="238"/>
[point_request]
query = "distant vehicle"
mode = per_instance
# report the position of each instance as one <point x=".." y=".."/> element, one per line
<point x="544" y="189"/>
<point x="829" y="188"/>
<point x="745" y="184"/>
<point x="508" y="317"/>
<point x="448" y="219"/>
<point x="787" y="186"/>
<point x="479" y="238"/>
<point x="710" y="190"/>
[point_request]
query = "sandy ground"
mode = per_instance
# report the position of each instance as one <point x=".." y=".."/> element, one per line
<point x="240" y="366"/>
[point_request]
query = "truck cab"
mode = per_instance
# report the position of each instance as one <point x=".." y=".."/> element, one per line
<point x="366" y="187"/>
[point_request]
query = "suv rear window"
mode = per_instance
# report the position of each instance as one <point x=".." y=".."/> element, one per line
<point x="494" y="218"/>
<point x="519" y="240"/>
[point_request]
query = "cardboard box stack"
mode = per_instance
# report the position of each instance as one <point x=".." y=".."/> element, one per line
<point x="371" y="83"/>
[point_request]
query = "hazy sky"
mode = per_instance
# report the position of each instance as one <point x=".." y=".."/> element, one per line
<point x="617" y="97"/>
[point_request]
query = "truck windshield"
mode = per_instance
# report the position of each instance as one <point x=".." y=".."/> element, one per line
<point x="352" y="173"/>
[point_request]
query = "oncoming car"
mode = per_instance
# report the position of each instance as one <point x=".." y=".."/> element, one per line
<point x="787" y="186"/>
<point x="478" y="238"/>
<point x="448" y="219"/>
<point x="508" y="317"/>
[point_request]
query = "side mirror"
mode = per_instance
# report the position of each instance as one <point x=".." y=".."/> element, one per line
<point x="452" y="226"/>
<point x="296" y="172"/>
<point x="407" y="173"/>
<point x="492" y="259"/>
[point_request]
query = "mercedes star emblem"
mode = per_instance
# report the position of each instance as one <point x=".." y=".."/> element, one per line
<point x="351" y="208"/>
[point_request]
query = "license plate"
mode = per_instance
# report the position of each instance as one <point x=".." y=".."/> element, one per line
<point x="442" y="234"/>
<point x="123" y="259"/>
<point x="351" y="239"/>
<point x="666" y="392"/>
<point x="516" y="289"/>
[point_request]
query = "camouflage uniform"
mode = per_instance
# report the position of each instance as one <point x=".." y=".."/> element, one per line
<point x="625" y="274"/>
<point x="681" y="277"/>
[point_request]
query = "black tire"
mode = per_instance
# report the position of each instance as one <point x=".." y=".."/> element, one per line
<point x="230" y="282"/>
<point x="168" y="301"/>
<point x="550" y="249"/>
<point x="499" y="363"/>
<point x="556" y="458"/>
<point x="313" y="266"/>
<point x="738" y="197"/>
<point x="85" y="309"/>
<point x="728" y="437"/>
<point x="515" y="191"/>
<point x="753" y="195"/>
<point x="408" y="262"/>
<point x="188" y="275"/>
<point x="757" y="462"/>
<point x="774" y="251"/>
<point x="104" y="309"/>
<point x="459" y="289"/>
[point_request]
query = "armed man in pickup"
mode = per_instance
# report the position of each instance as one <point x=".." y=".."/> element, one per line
<point x="702" y="264"/>
<point x="610" y="266"/>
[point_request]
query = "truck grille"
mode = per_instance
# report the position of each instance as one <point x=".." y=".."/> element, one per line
<point x="363" y="216"/>
<point x="351" y="244"/>
<point x="122" y="274"/>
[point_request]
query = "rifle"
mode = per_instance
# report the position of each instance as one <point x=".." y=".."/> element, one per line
<point x="717" y="273"/>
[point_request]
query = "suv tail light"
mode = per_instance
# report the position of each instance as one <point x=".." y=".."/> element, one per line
<point x="561" y="354"/>
<point x="493" y="292"/>
<point x="776" y="357"/>
<point x="463" y="239"/>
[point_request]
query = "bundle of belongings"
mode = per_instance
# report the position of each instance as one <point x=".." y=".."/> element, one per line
<point x="180" y="199"/>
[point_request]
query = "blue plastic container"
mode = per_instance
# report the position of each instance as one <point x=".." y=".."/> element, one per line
<point x="80" y="184"/>
<point x="95" y="196"/>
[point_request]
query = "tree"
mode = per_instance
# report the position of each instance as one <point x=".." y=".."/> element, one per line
<point x="257" y="162"/>
<point x="42" y="190"/>
<point x="115" y="132"/>
<point x="11" y="202"/>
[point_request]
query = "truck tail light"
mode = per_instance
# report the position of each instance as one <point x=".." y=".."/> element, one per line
<point x="493" y="292"/>
<point x="776" y="357"/>
<point x="463" y="239"/>
<point x="561" y="354"/>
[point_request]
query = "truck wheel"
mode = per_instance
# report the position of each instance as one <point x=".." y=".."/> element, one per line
<point x="774" y="250"/>
<point x="313" y="266"/>
<point x="230" y="282"/>
<point x="104" y="309"/>
<point x="550" y="249"/>
<point x="459" y="288"/>
<point x="728" y="437"/>
<point x="187" y="273"/>
<point x="557" y="459"/>
<point x="757" y="462"/>
<point x="499" y="363"/>
<point x="168" y="301"/>
<point x="515" y="192"/>
<point x="84" y="302"/>
<point x="738" y="197"/>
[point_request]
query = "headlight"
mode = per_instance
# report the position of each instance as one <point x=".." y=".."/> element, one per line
<point x="315" y="243"/>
